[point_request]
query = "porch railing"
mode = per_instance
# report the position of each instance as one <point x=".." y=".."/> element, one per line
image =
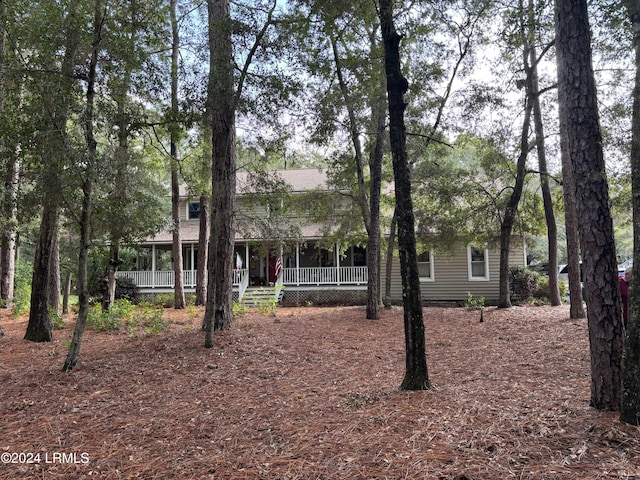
<point x="165" y="278"/>
<point x="289" y="276"/>
<point x="325" y="276"/>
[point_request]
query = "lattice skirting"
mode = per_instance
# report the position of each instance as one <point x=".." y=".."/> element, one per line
<point x="324" y="297"/>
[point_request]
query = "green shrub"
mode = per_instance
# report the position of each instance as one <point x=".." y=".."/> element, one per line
<point x="145" y="318"/>
<point x="166" y="300"/>
<point x="472" y="303"/>
<point x="22" y="288"/>
<point x="543" y="288"/>
<point x="113" y="319"/>
<point x="522" y="283"/>
<point x="239" y="309"/>
<point x="56" y="319"/>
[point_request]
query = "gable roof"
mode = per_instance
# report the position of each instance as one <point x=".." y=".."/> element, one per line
<point x="300" y="180"/>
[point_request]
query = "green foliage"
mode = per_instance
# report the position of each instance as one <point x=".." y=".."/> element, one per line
<point x="522" y="283"/>
<point x="472" y="303"/>
<point x="22" y="288"/>
<point x="145" y="318"/>
<point x="542" y="291"/>
<point x="56" y="319"/>
<point x="267" y="306"/>
<point x="239" y="309"/>
<point x="165" y="300"/>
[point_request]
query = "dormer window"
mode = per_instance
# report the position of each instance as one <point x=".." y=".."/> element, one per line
<point x="194" y="210"/>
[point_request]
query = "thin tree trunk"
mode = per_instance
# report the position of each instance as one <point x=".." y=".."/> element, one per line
<point x="67" y="292"/>
<point x="576" y="307"/>
<point x="511" y="210"/>
<point x="87" y="186"/>
<point x="9" y="201"/>
<point x="374" y="241"/>
<point x="369" y="204"/>
<point x="9" y="234"/>
<point x="549" y="215"/>
<point x="630" y="406"/>
<point x="577" y="94"/>
<point x="203" y="247"/>
<point x="416" y="374"/>
<point x="53" y="294"/>
<point x="178" y="288"/>
<point x="390" y="247"/>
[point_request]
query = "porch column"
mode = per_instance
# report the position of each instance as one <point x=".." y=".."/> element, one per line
<point x="298" y="263"/>
<point x="153" y="265"/>
<point x="337" y="254"/>
<point x="193" y="263"/>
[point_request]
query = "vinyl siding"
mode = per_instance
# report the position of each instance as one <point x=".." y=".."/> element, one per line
<point x="451" y="277"/>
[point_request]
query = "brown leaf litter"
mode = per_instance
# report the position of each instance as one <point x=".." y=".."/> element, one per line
<point x="312" y="393"/>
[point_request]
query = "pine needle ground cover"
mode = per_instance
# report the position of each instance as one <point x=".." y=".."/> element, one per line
<point x="312" y="393"/>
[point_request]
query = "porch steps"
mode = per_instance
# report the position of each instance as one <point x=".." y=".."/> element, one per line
<point x="256" y="296"/>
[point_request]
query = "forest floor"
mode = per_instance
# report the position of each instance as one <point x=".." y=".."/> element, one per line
<point x="312" y="393"/>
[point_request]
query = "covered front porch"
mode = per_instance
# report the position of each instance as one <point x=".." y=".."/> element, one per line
<point x="296" y="268"/>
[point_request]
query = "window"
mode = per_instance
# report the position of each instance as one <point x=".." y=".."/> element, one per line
<point x="425" y="267"/>
<point x="478" y="261"/>
<point x="194" y="210"/>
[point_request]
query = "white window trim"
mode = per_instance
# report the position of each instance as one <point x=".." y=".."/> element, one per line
<point x="431" y="278"/>
<point x="189" y="202"/>
<point x="484" y="278"/>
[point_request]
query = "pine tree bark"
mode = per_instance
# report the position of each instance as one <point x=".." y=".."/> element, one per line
<point x="416" y="374"/>
<point x="630" y="405"/>
<point x="576" y="307"/>
<point x="221" y="104"/>
<point x="577" y="94"/>
<point x="53" y="294"/>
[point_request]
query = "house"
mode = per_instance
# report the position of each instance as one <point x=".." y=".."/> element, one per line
<point x="303" y="267"/>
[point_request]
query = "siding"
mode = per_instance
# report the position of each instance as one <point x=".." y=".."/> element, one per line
<point x="451" y="277"/>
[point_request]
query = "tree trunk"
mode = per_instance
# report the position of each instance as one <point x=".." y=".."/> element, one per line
<point x="576" y="308"/>
<point x="549" y="215"/>
<point x="221" y="99"/>
<point x="630" y="405"/>
<point x="112" y="268"/>
<point x="87" y="186"/>
<point x="53" y="294"/>
<point x="374" y="240"/>
<point x="369" y="204"/>
<point x="577" y="94"/>
<point x="9" y="234"/>
<point x="416" y="374"/>
<point x="203" y="247"/>
<point x="67" y="292"/>
<point x="178" y="288"/>
<point x="39" y="328"/>
<point x="9" y="211"/>
<point x="511" y="210"/>
<point x="390" y="247"/>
